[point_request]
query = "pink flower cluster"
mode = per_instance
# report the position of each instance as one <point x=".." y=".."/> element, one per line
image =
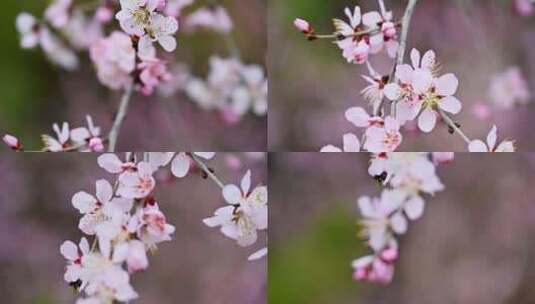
<point x="126" y="222"/>
<point x="83" y="139"/>
<point x="363" y="35"/>
<point x="231" y="87"/>
<point x="407" y="177"/>
<point x="246" y="212"/>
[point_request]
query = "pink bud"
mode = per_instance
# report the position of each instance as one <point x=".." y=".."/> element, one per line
<point x="360" y="274"/>
<point x="96" y="145"/>
<point x="389" y="29"/>
<point x="303" y="26"/>
<point x="389" y="255"/>
<point x="12" y="142"/>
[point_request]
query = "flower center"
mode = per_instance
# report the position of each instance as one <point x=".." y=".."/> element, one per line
<point x="430" y="100"/>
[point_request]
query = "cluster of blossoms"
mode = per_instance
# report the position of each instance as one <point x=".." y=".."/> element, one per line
<point x="363" y="35"/>
<point x="415" y="92"/>
<point x="82" y="139"/>
<point x="246" y="212"/>
<point x="231" y="87"/>
<point x="126" y="222"/>
<point x="406" y="178"/>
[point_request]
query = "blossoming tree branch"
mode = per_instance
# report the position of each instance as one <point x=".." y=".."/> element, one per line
<point x="414" y="91"/>
<point x="124" y="221"/>
<point x="130" y="43"/>
<point x="406" y="179"/>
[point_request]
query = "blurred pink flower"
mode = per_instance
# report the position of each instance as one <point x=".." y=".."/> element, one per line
<point x="153" y="73"/>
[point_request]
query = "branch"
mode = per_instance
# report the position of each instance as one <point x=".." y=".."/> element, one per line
<point x="123" y="108"/>
<point x="452" y="125"/>
<point x="405" y="22"/>
<point x="338" y="36"/>
<point x="206" y="170"/>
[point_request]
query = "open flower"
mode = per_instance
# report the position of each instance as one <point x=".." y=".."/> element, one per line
<point x="56" y="145"/>
<point x="351" y="143"/>
<point x="98" y="209"/>
<point x="479" y="146"/>
<point x="386" y="138"/>
<point x="246" y="213"/>
<point x="354" y="48"/>
<point x="134" y="15"/>
<point x="137" y="184"/>
<point x="73" y="254"/>
<point x="90" y="135"/>
<point x="150" y="225"/>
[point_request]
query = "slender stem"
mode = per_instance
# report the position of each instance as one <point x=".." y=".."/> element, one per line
<point x="123" y="108"/>
<point x="206" y="170"/>
<point x="337" y="36"/>
<point x="405" y="22"/>
<point x="452" y="124"/>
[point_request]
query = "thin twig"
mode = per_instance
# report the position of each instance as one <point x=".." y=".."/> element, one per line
<point x="405" y="22"/>
<point x="123" y="108"/>
<point x="206" y="170"/>
<point x="339" y="36"/>
<point x="447" y="119"/>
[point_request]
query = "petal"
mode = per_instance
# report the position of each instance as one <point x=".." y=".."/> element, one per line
<point x="104" y="191"/>
<point x="415" y="58"/>
<point x="372" y="19"/>
<point x="258" y="255"/>
<point x="181" y="164"/>
<point x="168" y="43"/>
<point x="414" y="207"/>
<point x="205" y="155"/>
<point x="351" y="143"/>
<point x="330" y="149"/>
<point x="80" y="134"/>
<point x="506" y="146"/>
<point x="446" y="85"/>
<point x="83" y="201"/>
<point x="392" y="91"/>
<point x="160" y="159"/>
<point x="477" y="146"/>
<point x="404" y="73"/>
<point x="358" y="116"/>
<point x="232" y="194"/>
<point x="246" y="182"/>
<point x="110" y="162"/>
<point x="492" y="137"/>
<point x="422" y="80"/>
<point x="450" y="104"/>
<point x="398" y="223"/>
<point x="427" y="120"/>
<point x="428" y="60"/>
<point x="69" y="250"/>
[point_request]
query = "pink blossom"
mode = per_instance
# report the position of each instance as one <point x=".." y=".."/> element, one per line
<point x="153" y="73"/>
<point x="12" y="142"/>
<point x="174" y="7"/>
<point x="386" y="37"/>
<point x="509" y="88"/>
<point x="104" y="13"/>
<point x="114" y="58"/>
<point x="490" y="146"/>
<point x="303" y="26"/>
<point x="151" y="226"/>
<point x="137" y="184"/>
<point x="112" y="164"/>
<point x="373" y="269"/>
<point x="58" y="13"/>
<point x="216" y="19"/>
<point x="385" y="138"/>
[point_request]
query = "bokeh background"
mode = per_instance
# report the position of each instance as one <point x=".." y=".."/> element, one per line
<point x="199" y="265"/>
<point x="35" y="94"/>
<point x="311" y="85"/>
<point x="474" y="244"/>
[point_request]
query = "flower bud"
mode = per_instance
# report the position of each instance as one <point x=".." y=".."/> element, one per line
<point x="303" y="26"/>
<point x="96" y="145"/>
<point x="389" y="29"/>
<point x="12" y="142"/>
